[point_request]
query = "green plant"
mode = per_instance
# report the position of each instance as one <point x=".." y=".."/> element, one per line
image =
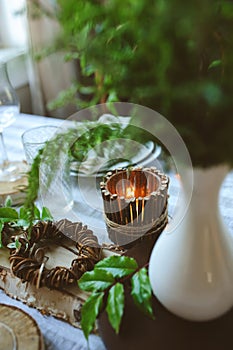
<point x="106" y="283"/>
<point x="172" y="57"/>
<point x="22" y="218"/>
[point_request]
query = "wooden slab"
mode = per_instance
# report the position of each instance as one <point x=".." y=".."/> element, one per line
<point x="18" y="330"/>
<point x="64" y="304"/>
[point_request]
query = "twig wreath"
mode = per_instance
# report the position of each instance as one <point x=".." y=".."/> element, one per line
<point x="28" y="260"/>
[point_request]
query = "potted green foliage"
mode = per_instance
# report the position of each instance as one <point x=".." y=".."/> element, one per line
<point x="173" y="58"/>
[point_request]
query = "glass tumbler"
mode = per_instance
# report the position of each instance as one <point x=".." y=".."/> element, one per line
<point x="55" y="190"/>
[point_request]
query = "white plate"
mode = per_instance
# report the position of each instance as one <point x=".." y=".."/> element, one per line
<point x="146" y="154"/>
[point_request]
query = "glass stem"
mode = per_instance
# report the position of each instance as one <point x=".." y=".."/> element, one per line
<point x="4" y="157"/>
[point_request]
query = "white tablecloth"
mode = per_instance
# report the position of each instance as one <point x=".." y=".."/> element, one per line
<point x="57" y="334"/>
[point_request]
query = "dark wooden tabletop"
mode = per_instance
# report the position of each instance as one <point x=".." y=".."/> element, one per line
<point x="167" y="331"/>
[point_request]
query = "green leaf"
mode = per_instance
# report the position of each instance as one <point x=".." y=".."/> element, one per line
<point x="118" y="266"/>
<point x="7" y="219"/>
<point x="227" y="9"/>
<point x="88" y="70"/>
<point x="8" y="213"/>
<point x="90" y="311"/>
<point x="17" y="243"/>
<point x="112" y="97"/>
<point x="8" y="202"/>
<point x="23" y="213"/>
<point x="36" y="213"/>
<point x="215" y="63"/>
<point x="115" y="306"/>
<point x="141" y="291"/>
<point x="14" y="245"/>
<point x="96" y="280"/>
<point x="24" y="217"/>
<point x="86" y="90"/>
<point x="46" y="214"/>
<point x="1" y="228"/>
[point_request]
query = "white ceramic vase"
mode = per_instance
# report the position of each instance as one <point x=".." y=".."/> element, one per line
<point x="191" y="268"/>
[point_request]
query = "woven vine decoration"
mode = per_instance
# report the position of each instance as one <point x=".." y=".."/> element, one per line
<point x="28" y="262"/>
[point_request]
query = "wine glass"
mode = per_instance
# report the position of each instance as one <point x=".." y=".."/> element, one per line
<point x="9" y="109"/>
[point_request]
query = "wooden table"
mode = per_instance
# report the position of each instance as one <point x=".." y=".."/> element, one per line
<point x="167" y="331"/>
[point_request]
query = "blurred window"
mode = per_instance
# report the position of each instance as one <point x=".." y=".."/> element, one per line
<point x="13" y="24"/>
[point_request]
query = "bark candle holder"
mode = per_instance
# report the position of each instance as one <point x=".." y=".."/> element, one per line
<point x="135" y="204"/>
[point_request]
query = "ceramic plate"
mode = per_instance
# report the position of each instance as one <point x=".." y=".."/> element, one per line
<point x="144" y="154"/>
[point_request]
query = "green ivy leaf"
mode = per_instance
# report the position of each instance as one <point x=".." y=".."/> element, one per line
<point x="96" y="280"/>
<point x="115" y="306"/>
<point x="118" y="266"/>
<point x="90" y="311"/>
<point x="8" y="213"/>
<point x="141" y="291"/>
<point x="46" y="214"/>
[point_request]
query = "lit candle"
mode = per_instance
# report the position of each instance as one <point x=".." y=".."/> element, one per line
<point x="129" y="193"/>
<point x="134" y="200"/>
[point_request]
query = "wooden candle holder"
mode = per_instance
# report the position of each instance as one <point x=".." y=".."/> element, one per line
<point x="135" y="204"/>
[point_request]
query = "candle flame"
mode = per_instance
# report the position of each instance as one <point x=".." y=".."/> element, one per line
<point x="129" y="192"/>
